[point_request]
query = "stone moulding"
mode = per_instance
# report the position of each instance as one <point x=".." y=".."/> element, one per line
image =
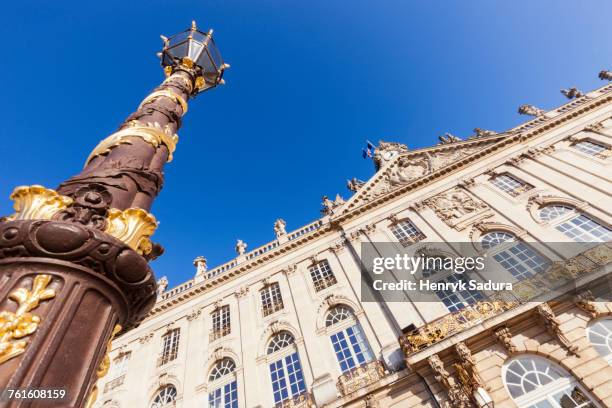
<point x="518" y="137"/>
<point x="37" y="202"/>
<point x="151" y="133"/>
<point x="134" y="226"/>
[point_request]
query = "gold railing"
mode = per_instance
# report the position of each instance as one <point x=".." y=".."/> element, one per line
<point x="303" y="400"/>
<point x="166" y="358"/>
<point x="111" y="385"/>
<point x="217" y="334"/>
<point x="268" y="310"/>
<point x="531" y="289"/>
<point x="325" y="283"/>
<point x="360" y="377"/>
<point x="450" y="324"/>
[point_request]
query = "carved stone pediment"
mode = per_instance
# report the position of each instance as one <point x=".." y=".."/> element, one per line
<point x="410" y="166"/>
<point x="409" y="169"/>
<point x="458" y="208"/>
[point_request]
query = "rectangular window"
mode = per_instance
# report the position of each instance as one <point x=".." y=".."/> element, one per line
<point x="170" y="343"/>
<point x="351" y="348"/>
<point x="271" y="299"/>
<point x="117" y="371"/>
<point x="287" y="379"/>
<point x="322" y="276"/>
<point x="521" y="261"/>
<point x="406" y="233"/>
<point x="591" y="148"/>
<point x="510" y="185"/>
<point x="225" y="396"/>
<point x="584" y="229"/>
<point x="220" y="323"/>
<point x="457" y="300"/>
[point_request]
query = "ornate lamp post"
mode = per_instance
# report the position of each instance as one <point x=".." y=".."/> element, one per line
<point x="73" y="262"/>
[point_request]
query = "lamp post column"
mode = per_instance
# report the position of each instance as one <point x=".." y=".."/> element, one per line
<point x="74" y="262"/>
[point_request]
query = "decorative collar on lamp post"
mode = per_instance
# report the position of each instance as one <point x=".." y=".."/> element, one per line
<point x="194" y="51"/>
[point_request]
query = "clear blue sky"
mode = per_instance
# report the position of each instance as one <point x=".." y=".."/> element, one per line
<point x="310" y="82"/>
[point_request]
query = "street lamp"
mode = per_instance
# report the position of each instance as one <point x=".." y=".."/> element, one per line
<point x="194" y="49"/>
<point x="74" y="261"/>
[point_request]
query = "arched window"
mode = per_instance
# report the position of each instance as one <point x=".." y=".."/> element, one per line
<point x="575" y="225"/>
<point x="347" y="338"/>
<point x="286" y="370"/>
<point x="535" y="382"/>
<point x="165" y="397"/>
<point x="222" y="381"/>
<point x="600" y="336"/>
<point x="517" y="257"/>
<point x="406" y="232"/>
<point x="280" y="341"/>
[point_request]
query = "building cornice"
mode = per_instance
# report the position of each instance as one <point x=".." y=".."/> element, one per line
<point x="508" y="139"/>
<point x="526" y="131"/>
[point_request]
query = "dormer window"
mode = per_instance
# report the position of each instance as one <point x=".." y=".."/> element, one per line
<point x="592" y="148"/>
<point x="510" y="185"/>
<point x="406" y="232"/>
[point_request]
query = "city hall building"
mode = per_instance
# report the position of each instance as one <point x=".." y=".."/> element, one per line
<point x="286" y="325"/>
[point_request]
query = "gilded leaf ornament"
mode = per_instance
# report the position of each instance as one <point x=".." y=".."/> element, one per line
<point x="21" y="323"/>
<point x="37" y="202"/>
<point x="151" y="133"/>
<point x="134" y="226"/>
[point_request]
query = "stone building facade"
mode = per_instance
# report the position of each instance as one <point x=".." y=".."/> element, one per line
<point x="284" y="325"/>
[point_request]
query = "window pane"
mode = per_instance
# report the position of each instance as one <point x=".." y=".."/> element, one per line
<point x="406" y="233"/>
<point x="589" y="147"/>
<point x="322" y="276"/>
<point x="584" y="229"/>
<point x="510" y="185"/>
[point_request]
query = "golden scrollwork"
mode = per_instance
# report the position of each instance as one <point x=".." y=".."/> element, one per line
<point x="37" y="202"/>
<point x="102" y="368"/>
<point x="14" y="326"/>
<point x="453" y="323"/>
<point x="151" y="133"/>
<point x="168" y="94"/>
<point x="134" y="226"/>
<point x="360" y="377"/>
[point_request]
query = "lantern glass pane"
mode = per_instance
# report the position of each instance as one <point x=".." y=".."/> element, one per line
<point x="195" y="48"/>
<point x="206" y="63"/>
<point x="179" y="50"/>
<point x="178" y="38"/>
<point x="214" y="53"/>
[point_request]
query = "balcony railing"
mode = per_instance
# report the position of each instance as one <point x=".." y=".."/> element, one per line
<point x="268" y="310"/>
<point x="361" y="377"/>
<point x="534" y="289"/>
<point x="313" y="226"/>
<point x="166" y="358"/>
<point x="303" y="400"/>
<point x="453" y="323"/>
<point x="111" y="385"/>
<point x="217" y="334"/>
<point x="325" y="282"/>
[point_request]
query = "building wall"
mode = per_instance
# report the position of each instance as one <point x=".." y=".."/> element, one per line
<point x="547" y="161"/>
